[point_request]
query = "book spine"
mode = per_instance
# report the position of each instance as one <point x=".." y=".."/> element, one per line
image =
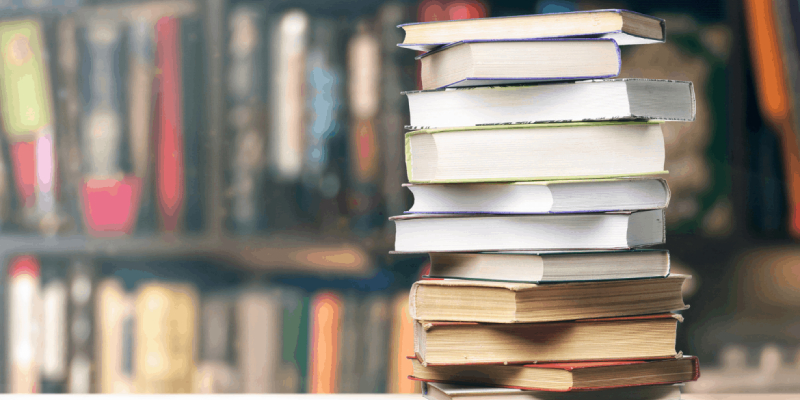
<point x="402" y="345"/>
<point x="321" y="179"/>
<point x="376" y="324"/>
<point x="27" y="111"/>
<point x="166" y="331"/>
<point x="23" y="340"/>
<point x="69" y="107"/>
<point x="114" y="314"/>
<point x="294" y="368"/>
<point x="324" y="329"/>
<point x="258" y="327"/>
<point x="54" y="328"/>
<point x="245" y="114"/>
<point x="351" y="344"/>
<point x="288" y="95"/>
<point x="110" y="200"/>
<point x="170" y="179"/>
<point x="141" y="47"/>
<point x="363" y="84"/>
<point x="215" y="373"/>
<point x="81" y="294"/>
<point x="194" y="121"/>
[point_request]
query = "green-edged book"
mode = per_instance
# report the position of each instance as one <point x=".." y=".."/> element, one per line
<point x="534" y="152"/>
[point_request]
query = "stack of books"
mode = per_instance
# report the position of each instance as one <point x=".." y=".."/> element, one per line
<point x="533" y="200"/>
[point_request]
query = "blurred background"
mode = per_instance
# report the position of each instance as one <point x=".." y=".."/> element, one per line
<point x="194" y="194"/>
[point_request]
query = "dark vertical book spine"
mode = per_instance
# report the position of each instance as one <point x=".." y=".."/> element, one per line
<point x="245" y="115"/>
<point x="363" y="83"/>
<point x="194" y="120"/>
<point x="81" y="294"/>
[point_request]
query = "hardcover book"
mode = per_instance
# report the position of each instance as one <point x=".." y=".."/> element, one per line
<point x="625" y="27"/>
<point x="482" y="63"/>
<point x="565" y="377"/>
<point x="590" y="100"/>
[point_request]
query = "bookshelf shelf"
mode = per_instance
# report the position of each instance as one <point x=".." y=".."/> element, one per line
<point x="288" y="252"/>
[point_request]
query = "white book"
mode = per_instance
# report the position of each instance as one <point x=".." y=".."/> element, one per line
<point x="541" y="197"/>
<point x="536" y="267"/>
<point x="534" y="152"/>
<point x="592" y="100"/>
<point x="426" y="233"/>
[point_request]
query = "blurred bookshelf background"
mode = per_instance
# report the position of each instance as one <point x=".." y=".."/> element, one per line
<point x="194" y="194"/>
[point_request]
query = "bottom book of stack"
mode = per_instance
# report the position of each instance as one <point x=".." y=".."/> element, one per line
<point x="446" y="391"/>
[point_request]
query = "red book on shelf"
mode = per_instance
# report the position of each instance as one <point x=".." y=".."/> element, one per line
<point x="170" y="185"/>
<point x="566" y="377"/>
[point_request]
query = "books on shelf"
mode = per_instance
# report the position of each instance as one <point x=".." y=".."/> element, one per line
<point x="625" y="27"/>
<point x="550" y="266"/>
<point x="587" y="100"/>
<point x="561" y="151"/>
<point x="565" y="377"/>
<point x="540" y="197"/>
<point x="621" y="338"/>
<point x="427" y="233"/>
<point x="483" y="63"/>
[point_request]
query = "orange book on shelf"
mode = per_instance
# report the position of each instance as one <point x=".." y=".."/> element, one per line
<point x="325" y="328"/>
<point x="402" y="346"/>
<point x="774" y="98"/>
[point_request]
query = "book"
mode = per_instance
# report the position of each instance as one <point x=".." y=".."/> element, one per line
<point x="501" y="302"/>
<point x="114" y="322"/>
<point x="169" y="148"/>
<point x="625" y="27"/>
<point x="484" y="63"/>
<point x="246" y="99"/>
<point x="81" y="357"/>
<point x="258" y="327"/>
<point x="364" y="153"/>
<point x="540" y="197"/>
<point x="166" y="331"/>
<point x="23" y="306"/>
<point x="561" y="151"/>
<point x="351" y="341"/>
<point x="589" y="100"/>
<point x="193" y="101"/>
<point x="621" y="338"/>
<point x="325" y="327"/>
<point x="293" y="373"/>
<point x="376" y="325"/>
<point x="110" y="199"/>
<point x="54" y="327"/>
<point x="287" y="139"/>
<point x="401" y="345"/>
<point x="449" y="391"/>
<point x="551" y="266"/>
<point x="565" y="377"/>
<point x="428" y="233"/>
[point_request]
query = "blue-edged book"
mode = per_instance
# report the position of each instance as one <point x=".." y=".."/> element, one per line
<point x="498" y="62"/>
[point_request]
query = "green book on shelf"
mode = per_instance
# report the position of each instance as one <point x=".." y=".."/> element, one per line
<point x="535" y="152"/>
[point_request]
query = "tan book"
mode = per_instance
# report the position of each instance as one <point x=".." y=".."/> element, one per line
<point x="449" y="391"/>
<point x="565" y="377"/>
<point x="114" y="314"/>
<point x="623" y="26"/>
<point x="623" y="338"/>
<point x="166" y="336"/>
<point x="502" y="302"/>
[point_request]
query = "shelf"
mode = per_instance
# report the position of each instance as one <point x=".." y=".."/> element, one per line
<point x="284" y="252"/>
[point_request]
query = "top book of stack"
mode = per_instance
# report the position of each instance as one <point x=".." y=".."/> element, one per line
<point x="625" y="27"/>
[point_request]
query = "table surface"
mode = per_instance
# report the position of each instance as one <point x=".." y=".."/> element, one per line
<point x="688" y="396"/>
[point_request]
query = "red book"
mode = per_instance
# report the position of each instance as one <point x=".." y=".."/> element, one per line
<point x="169" y="147"/>
<point x="565" y="377"/>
